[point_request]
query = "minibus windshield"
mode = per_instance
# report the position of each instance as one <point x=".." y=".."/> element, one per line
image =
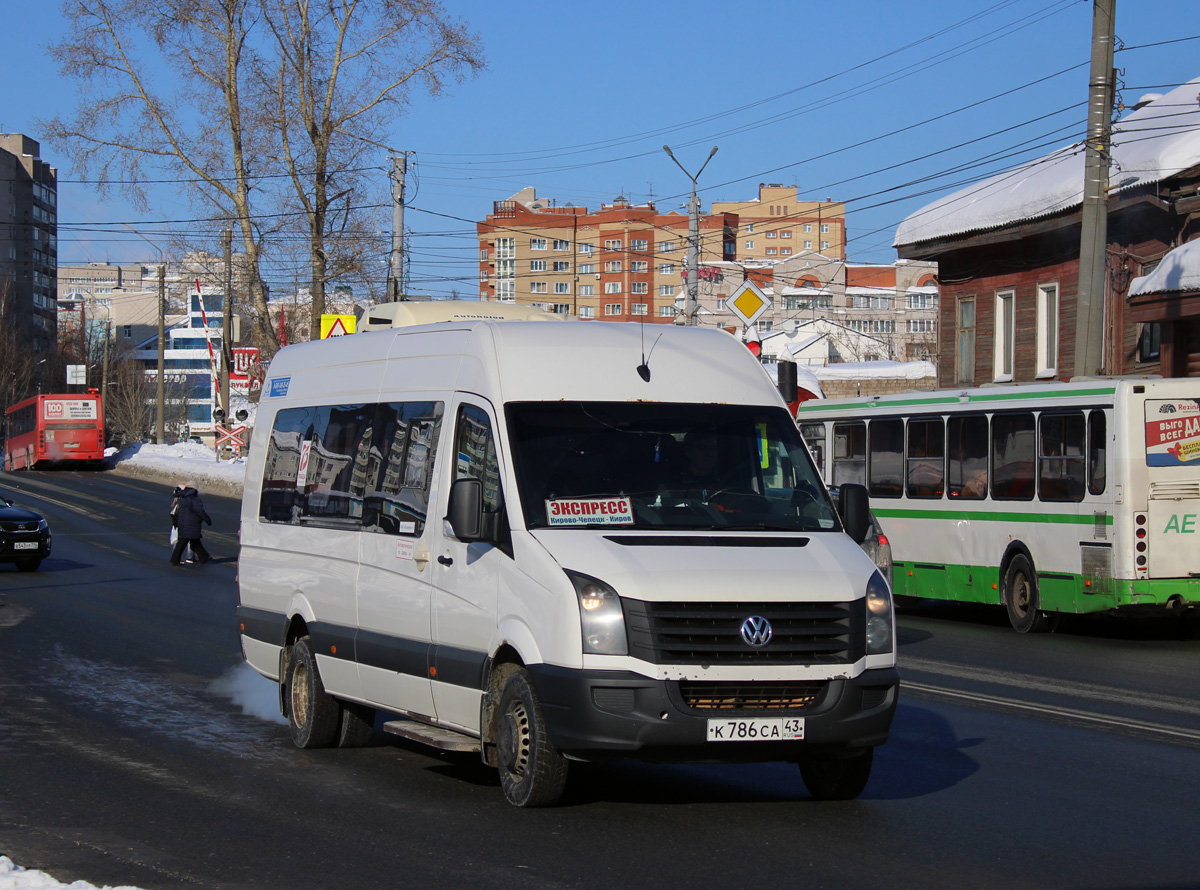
<point x="664" y="466"/>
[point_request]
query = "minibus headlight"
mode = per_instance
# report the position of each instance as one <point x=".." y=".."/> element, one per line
<point x="879" y="616"/>
<point x="600" y="616"/>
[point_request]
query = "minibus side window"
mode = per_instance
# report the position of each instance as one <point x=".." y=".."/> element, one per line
<point x="886" y="444"/>
<point x="1013" y="453"/>
<point x="475" y="454"/>
<point x="968" y="457"/>
<point x="400" y="467"/>
<point x="925" y="466"/>
<point x="316" y="465"/>
<point x="849" y="453"/>
<point x="1060" y="457"/>
<point x="1097" y="452"/>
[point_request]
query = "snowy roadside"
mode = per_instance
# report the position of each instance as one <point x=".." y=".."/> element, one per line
<point x="173" y="464"/>
<point x="14" y="877"/>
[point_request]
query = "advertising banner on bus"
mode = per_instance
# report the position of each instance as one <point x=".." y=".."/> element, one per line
<point x="1172" y="432"/>
<point x="69" y="409"/>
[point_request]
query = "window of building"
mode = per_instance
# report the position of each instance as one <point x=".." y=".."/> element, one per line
<point x="612" y="244"/>
<point x="639" y="244"/>
<point x="128" y="330"/>
<point x="785" y="234"/>
<point x="612" y="265"/>
<point x="824" y="228"/>
<point x="483" y="276"/>
<point x="808" y="227"/>
<point x="587" y="249"/>
<point x="1047" y="330"/>
<point x="785" y="251"/>
<point x="562" y="287"/>
<point x="639" y="287"/>
<point x="483" y="255"/>
<point x="824" y="245"/>
<point x="587" y="268"/>
<point x="920" y="325"/>
<point x="964" y="353"/>
<point x="1005" y="328"/>
<point x="537" y="265"/>
<point x="808" y="245"/>
<point x="537" y="243"/>
<point x="922" y="301"/>
<point x="749" y="228"/>
<point x="638" y="308"/>
<point x="612" y="308"/>
<point x="560" y="308"/>
<point x="506" y="248"/>
<point x="561" y="244"/>
<point x="666" y="290"/>
<point x="771" y="251"/>
<point x="1149" y="342"/>
<point x="612" y="287"/>
<point x="562" y="266"/>
<point x="749" y="245"/>
<point x="720" y="304"/>
<point x="639" y="267"/>
<point x="666" y="268"/>
<point x="587" y="290"/>
<point x="772" y="235"/>
<point x="537" y="287"/>
<point x="587" y="311"/>
<point x="666" y="246"/>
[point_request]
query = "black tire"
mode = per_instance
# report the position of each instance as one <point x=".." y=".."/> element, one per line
<point x="1021" y="597"/>
<point x="840" y="776"/>
<point x="312" y="712"/>
<point x="532" y="773"/>
<point x="28" y="565"/>
<point x="356" y="725"/>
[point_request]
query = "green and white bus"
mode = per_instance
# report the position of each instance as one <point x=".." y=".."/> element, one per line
<point x="1048" y="498"/>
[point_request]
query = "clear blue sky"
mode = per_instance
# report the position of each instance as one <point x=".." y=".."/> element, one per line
<point x="847" y="100"/>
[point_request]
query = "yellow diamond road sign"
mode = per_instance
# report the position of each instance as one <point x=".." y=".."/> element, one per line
<point x="748" y="303"/>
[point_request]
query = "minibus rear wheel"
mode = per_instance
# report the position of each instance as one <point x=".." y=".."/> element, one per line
<point x="312" y="713"/>
<point x="532" y="773"/>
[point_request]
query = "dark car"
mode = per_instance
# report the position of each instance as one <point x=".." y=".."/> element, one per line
<point x="24" y="536"/>
<point x="875" y="546"/>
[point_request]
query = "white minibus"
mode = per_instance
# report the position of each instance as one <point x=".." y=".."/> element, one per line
<point x="561" y="541"/>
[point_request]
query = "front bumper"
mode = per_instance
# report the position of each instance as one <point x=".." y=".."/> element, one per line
<point x="15" y="547"/>
<point x="595" y="715"/>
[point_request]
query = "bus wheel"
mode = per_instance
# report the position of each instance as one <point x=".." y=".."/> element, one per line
<point x="532" y="773"/>
<point x="837" y="776"/>
<point x="1021" y="597"/>
<point x="312" y="713"/>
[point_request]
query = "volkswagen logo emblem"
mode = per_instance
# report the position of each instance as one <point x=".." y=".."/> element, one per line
<point x="756" y="631"/>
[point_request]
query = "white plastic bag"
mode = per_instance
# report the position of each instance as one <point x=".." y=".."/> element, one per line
<point x="174" y="535"/>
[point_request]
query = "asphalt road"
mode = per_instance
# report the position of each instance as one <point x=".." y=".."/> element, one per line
<point x="1068" y="761"/>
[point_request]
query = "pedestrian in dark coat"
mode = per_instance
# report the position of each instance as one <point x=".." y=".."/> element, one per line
<point x="191" y="515"/>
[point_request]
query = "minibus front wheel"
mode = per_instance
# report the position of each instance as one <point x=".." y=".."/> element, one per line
<point x="312" y="712"/>
<point x="532" y="773"/>
<point x="838" y="775"/>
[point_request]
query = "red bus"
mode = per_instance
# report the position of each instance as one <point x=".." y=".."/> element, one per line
<point x="55" y="429"/>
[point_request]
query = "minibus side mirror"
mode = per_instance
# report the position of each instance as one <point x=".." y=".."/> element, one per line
<point x="855" y="509"/>
<point x="465" y="512"/>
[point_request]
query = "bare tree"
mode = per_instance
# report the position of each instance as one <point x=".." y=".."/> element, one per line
<point x="18" y="368"/>
<point x="129" y="402"/>
<point x="302" y="85"/>
<point x="343" y="70"/>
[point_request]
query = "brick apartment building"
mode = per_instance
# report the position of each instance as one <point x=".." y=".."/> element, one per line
<point x="779" y="225"/>
<point x="624" y="262"/>
<point x="29" y="238"/>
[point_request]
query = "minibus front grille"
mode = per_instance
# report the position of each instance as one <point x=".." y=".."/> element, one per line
<point x="711" y="633"/>
<point x="750" y="696"/>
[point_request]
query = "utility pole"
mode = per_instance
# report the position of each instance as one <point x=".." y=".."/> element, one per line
<point x="395" y="286"/>
<point x="227" y="323"/>
<point x="160" y="417"/>
<point x="1093" y="239"/>
<point x="692" y="306"/>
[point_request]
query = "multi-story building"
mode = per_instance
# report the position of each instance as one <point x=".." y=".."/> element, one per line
<point x="779" y="225"/>
<point x="624" y="262"/>
<point x="28" y="239"/>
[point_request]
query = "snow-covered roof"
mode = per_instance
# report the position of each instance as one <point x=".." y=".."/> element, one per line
<point x="861" y="291"/>
<point x="806" y="292"/>
<point x="882" y="370"/>
<point x="1152" y="143"/>
<point x="924" y="289"/>
<point x="1178" y="270"/>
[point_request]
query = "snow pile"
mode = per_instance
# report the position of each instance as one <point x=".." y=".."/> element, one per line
<point x="1179" y="270"/>
<point x="14" y="877"/>
<point x="173" y="464"/>
<point x="1148" y="145"/>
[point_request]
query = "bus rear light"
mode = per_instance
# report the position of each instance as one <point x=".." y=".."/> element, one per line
<point x="1141" y="533"/>
<point x="1141" y="561"/>
<point x="1139" y="518"/>
<point x="1141" y="546"/>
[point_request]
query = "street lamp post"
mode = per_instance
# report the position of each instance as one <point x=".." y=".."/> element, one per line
<point x="693" y="272"/>
<point x="160" y="388"/>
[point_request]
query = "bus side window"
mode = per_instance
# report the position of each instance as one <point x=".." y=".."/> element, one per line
<point x="1013" y="451"/>
<point x="968" y="458"/>
<point x="925" y="470"/>
<point x="814" y="438"/>
<point x="1097" y="453"/>
<point x="849" y="453"/>
<point x="1060" y="457"/>
<point x="886" y="445"/>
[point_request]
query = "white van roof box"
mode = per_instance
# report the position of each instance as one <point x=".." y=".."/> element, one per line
<point x="404" y="314"/>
